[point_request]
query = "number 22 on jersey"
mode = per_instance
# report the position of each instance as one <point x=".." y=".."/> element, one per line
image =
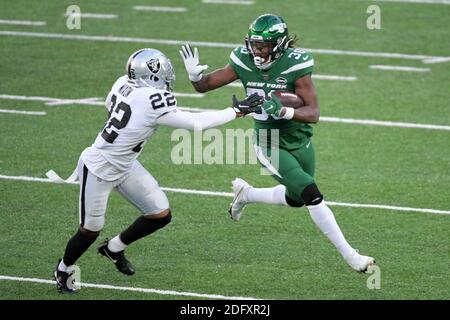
<point x="122" y="111"/>
<point x="120" y="115"/>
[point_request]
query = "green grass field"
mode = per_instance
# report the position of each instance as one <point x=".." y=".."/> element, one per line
<point x="273" y="252"/>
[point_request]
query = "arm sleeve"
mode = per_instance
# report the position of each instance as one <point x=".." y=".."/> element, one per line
<point x="196" y="121"/>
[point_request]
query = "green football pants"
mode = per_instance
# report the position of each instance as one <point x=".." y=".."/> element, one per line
<point x="295" y="169"/>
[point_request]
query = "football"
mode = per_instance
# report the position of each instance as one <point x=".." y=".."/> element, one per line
<point x="289" y="99"/>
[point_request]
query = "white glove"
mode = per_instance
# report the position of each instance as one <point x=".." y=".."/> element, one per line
<point x="191" y="62"/>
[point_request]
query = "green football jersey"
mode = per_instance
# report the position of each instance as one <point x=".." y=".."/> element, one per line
<point x="293" y="64"/>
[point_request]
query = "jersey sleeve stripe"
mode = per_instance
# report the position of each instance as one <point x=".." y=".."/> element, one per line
<point x="300" y="66"/>
<point x="236" y="60"/>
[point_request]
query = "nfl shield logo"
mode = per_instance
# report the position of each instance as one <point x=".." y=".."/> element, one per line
<point x="281" y="80"/>
<point x="153" y="65"/>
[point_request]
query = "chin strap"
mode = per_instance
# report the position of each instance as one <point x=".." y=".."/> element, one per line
<point x="260" y="65"/>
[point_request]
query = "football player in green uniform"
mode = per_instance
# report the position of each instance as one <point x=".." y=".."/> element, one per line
<point x="269" y="62"/>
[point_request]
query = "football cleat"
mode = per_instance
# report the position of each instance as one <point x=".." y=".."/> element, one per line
<point x="118" y="258"/>
<point x="237" y="206"/>
<point x="359" y="262"/>
<point x="62" y="278"/>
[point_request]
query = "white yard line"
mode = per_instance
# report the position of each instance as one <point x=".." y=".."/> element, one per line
<point x="398" y="68"/>
<point x="229" y="194"/>
<point x="418" y="1"/>
<point x="238" y="2"/>
<point x="385" y="123"/>
<point x="436" y="60"/>
<point x="96" y="102"/>
<point x="333" y="77"/>
<point x="31" y="113"/>
<point x="424" y="58"/>
<point x="92" y="15"/>
<point x="195" y="109"/>
<point x="23" y="22"/>
<point x="133" y="289"/>
<point x="160" y="9"/>
<point x="189" y="95"/>
<point x="89" y="101"/>
<point x="235" y="84"/>
<point x="27" y="98"/>
<point x="386" y="207"/>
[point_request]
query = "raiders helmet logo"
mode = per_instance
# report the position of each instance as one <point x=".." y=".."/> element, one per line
<point x="154" y="65"/>
<point x="131" y="74"/>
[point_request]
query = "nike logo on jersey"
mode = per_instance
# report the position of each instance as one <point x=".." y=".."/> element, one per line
<point x="307" y="146"/>
<point x="305" y="57"/>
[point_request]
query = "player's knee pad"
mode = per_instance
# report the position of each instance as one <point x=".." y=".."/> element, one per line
<point x="311" y="195"/>
<point x="94" y="224"/>
<point x="89" y="233"/>
<point x="294" y="204"/>
<point x="166" y="220"/>
<point x="159" y="223"/>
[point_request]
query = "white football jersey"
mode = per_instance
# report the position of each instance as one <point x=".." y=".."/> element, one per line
<point x="133" y="112"/>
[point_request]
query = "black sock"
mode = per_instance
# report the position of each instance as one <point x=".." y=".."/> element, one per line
<point x="142" y="227"/>
<point x="77" y="245"/>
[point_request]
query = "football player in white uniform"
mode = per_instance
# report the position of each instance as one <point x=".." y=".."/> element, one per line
<point x="138" y="103"/>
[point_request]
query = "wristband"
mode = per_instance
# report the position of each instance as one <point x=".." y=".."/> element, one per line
<point x="196" y="78"/>
<point x="288" y="113"/>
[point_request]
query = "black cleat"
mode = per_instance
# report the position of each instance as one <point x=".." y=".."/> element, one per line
<point x="62" y="278"/>
<point x="118" y="258"/>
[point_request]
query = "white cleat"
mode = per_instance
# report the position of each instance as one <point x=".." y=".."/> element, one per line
<point x="359" y="262"/>
<point x="238" y="204"/>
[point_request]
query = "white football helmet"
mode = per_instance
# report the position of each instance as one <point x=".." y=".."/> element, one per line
<point x="150" y="67"/>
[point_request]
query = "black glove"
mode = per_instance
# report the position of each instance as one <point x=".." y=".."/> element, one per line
<point x="250" y="104"/>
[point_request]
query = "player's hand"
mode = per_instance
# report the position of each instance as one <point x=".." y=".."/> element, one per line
<point x="250" y="104"/>
<point x="272" y="106"/>
<point x="192" y="63"/>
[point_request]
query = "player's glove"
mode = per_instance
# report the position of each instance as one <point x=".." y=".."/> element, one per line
<point x="192" y="63"/>
<point x="272" y="106"/>
<point x="250" y="104"/>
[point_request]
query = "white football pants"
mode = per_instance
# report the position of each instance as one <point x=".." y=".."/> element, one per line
<point x="138" y="187"/>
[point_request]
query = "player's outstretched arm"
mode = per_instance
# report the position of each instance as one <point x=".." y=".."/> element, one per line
<point x="201" y="82"/>
<point x="210" y="119"/>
